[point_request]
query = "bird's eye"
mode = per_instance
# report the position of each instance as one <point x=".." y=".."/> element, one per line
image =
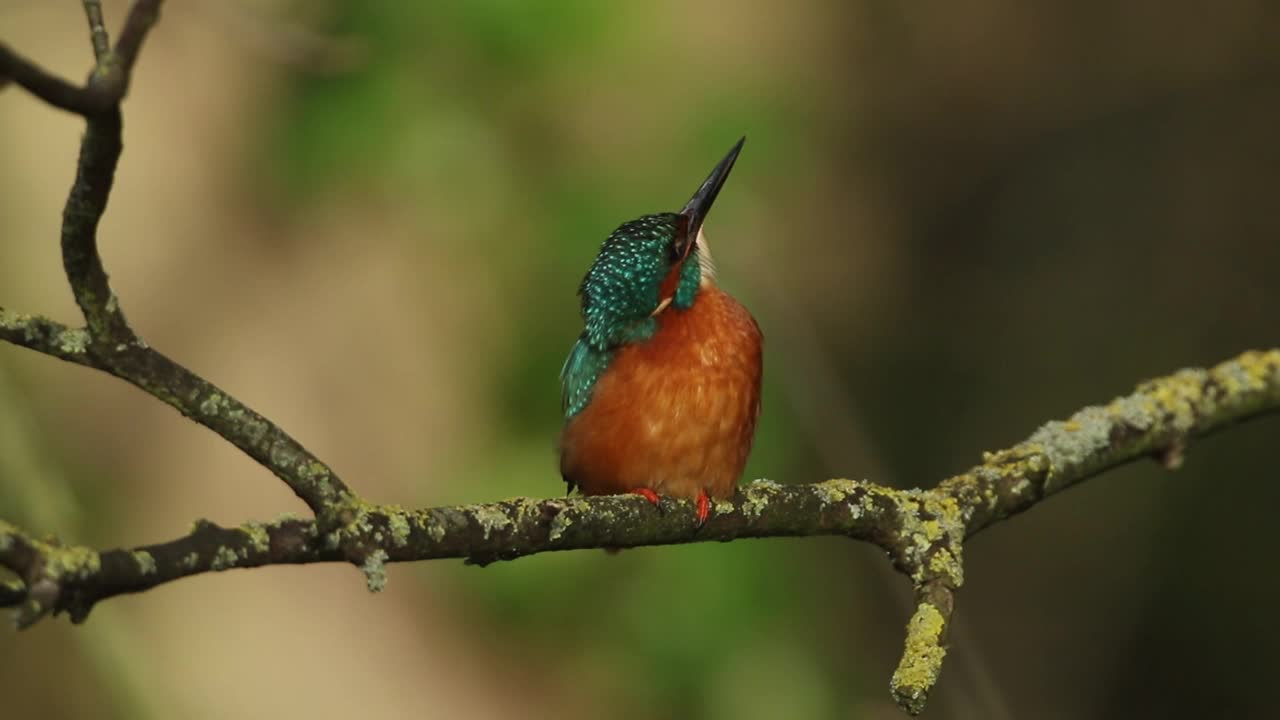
<point x="679" y="248"/>
<point x="675" y="250"/>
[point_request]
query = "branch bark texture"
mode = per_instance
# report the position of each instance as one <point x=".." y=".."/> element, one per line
<point x="922" y="531"/>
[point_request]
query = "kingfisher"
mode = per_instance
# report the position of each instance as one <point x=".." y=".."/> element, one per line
<point x="661" y="392"/>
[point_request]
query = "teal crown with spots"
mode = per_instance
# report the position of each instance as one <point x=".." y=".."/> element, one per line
<point x="620" y="291"/>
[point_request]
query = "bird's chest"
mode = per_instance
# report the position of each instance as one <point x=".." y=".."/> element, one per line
<point x="675" y="413"/>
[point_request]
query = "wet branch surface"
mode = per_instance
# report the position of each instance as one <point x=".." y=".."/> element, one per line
<point x="922" y="531"/>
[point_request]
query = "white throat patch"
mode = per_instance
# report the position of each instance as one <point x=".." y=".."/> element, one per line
<point x="704" y="259"/>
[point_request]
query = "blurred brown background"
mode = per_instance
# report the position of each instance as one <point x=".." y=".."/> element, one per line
<point x="367" y="220"/>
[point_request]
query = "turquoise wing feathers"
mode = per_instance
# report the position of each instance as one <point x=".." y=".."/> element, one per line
<point x="578" y="376"/>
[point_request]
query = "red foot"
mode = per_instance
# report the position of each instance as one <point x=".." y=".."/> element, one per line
<point x="647" y="494"/>
<point x="702" y="503"/>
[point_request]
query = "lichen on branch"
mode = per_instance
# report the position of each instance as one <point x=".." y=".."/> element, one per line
<point x="922" y="531"/>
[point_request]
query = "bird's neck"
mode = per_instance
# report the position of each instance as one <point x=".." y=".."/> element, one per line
<point x="679" y="289"/>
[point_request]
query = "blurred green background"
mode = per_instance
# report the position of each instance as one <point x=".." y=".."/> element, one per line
<point x="954" y="221"/>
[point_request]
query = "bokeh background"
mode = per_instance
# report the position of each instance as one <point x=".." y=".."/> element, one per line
<point x="954" y="221"/>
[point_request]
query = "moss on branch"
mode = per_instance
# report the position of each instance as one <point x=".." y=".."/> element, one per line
<point x="922" y="531"/>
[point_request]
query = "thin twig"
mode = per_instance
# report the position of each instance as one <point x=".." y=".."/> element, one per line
<point x="109" y="80"/>
<point x="97" y="30"/>
<point x="46" y="86"/>
<point x="87" y="201"/>
<point x="45" y="336"/>
<point x="143" y="15"/>
<point x="107" y="342"/>
<point x="114" y="70"/>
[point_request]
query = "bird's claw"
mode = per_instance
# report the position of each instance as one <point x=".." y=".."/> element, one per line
<point x="702" y="504"/>
<point x="647" y="494"/>
<point x="704" y="507"/>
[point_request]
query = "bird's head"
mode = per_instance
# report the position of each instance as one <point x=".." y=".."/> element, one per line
<point x="649" y="265"/>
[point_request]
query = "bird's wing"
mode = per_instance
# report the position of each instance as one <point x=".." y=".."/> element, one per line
<point x="581" y="370"/>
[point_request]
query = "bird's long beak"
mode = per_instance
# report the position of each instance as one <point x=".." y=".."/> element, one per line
<point x="700" y="204"/>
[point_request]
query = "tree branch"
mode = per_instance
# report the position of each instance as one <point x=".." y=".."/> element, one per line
<point x="481" y="534"/>
<point x="46" y="86"/>
<point x="1157" y="420"/>
<point x="97" y="30"/>
<point x="107" y="342"/>
<point x="109" y="79"/>
<point x="45" y="336"/>
<point x="143" y="15"/>
<point x="922" y="531"/>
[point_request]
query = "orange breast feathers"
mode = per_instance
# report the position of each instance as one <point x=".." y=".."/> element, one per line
<point x="676" y="413"/>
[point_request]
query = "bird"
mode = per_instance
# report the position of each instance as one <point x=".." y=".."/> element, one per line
<point x="661" y="391"/>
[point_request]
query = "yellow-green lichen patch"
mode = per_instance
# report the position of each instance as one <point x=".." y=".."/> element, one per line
<point x="1071" y="448"/>
<point x="311" y="470"/>
<point x="490" y="519"/>
<point x="354" y="516"/>
<point x="1019" y="466"/>
<point x="253" y="429"/>
<point x="375" y="570"/>
<point x="282" y="458"/>
<point x="435" y="530"/>
<point x="980" y="484"/>
<point x="921" y="660"/>
<point x="259" y="538"/>
<point x="1024" y="458"/>
<point x="73" y="341"/>
<point x="398" y="522"/>
<point x="211" y="404"/>
<point x="527" y="510"/>
<point x="875" y="493"/>
<point x="757" y="496"/>
<point x="12" y="319"/>
<point x="559" y="524"/>
<point x="581" y="508"/>
<point x="73" y="562"/>
<point x="19" y="321"/>
<point x="190" y="560"/>
<point x="950" y="516"/>
<point x="930" y="522"/>
<point x="1178" y="396"/>
<point x="1135" y="413"/>
<point x="944" y="563"/>
<point x="1248" y="373"/>
<point x="223" y="558"/>
<point x="146" y="563"/>
<point x="834" y="491"/>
